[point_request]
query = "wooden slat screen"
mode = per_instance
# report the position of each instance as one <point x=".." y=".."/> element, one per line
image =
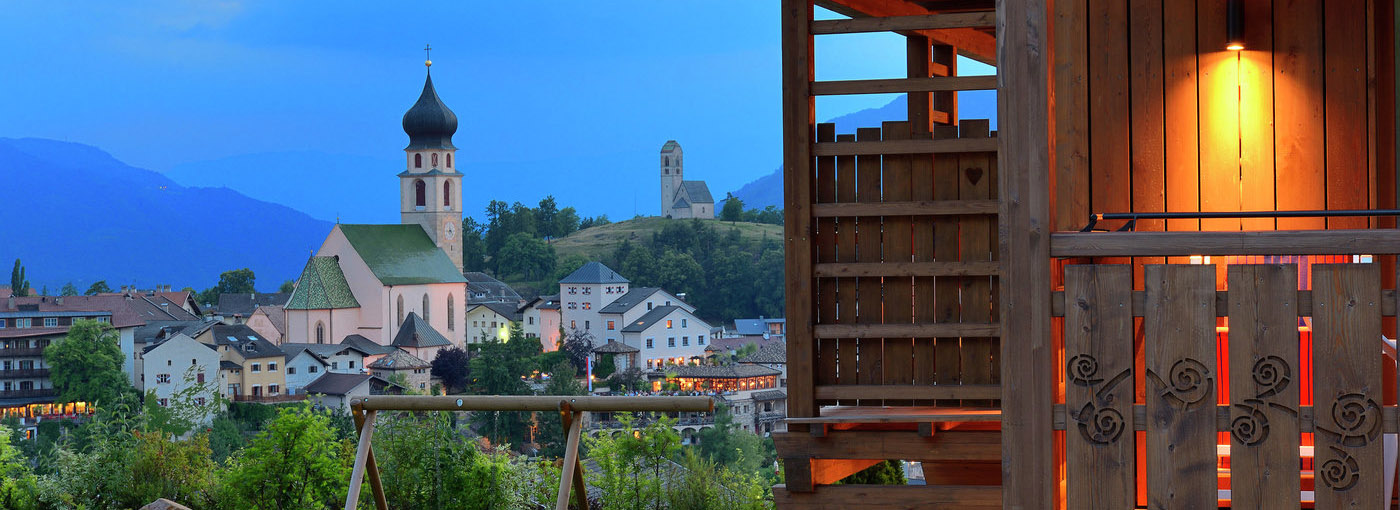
<point x="889" y="277"/>
<point x="1261" y="365"/>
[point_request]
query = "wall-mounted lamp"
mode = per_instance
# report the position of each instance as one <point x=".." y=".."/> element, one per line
<point x="1234" y="25"/>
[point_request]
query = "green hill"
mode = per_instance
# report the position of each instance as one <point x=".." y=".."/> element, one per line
<point x="598" y="242"/>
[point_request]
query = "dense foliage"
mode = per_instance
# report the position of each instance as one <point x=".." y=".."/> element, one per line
<point x="86" y="365"/>
<point x="645" y="467"/>
<point x="19" y="284"/>
<point x="238" y="281"/>
<point x="724" y="276"/>
<point x="452" y="366"/>
<point x="513" y="242"/>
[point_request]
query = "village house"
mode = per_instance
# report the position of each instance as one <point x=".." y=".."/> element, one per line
<point x="584" y="293"/>
<point x="540" y="319"/>
<point x="236" y="308"/>
<point x="416" y="373"/>
<point x="178" y="364"/>
<point x="307" y="362"/>
<point x="251" y="368"/>
<point x="418" y="338"/>
<point x="489" y="321"/>
<point x="335" y="391"/>
<point x="270" y="321"/>
<point x="667" y="335"/>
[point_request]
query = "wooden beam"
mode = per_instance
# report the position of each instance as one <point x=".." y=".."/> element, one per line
<point x="656" y="404"/>
<point x="891" y="497"/>
<point x="829" y="471"/>
<point x="970" y="42"/>
<point x="859" y="444"/>
<point x="914" y="208"/>
<point x="574" y="423"/>
<point x="1023" y="106"/>
<point x="901" y="85"/>
<point x="799" y="121"/>
<point x="905" y="23"/>
<point x="910" y="392"/>
<point x="906" y="414"/>
<point x="908" y="269"/>
<point x="1222" y="306"/>
<point x="926" y="330"/>
<point x="1390" y="418"/>
<point x="888" y="147"/>
<point x="357" y="472"/>
<point x="1277" y="242"/>
<point x="371" y="467"/>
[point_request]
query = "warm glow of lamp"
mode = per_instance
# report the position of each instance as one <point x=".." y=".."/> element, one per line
<point x="1234" y="25"/>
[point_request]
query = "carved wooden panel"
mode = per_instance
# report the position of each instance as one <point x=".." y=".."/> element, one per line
<point x="1264" y="382"/>
<point x="1347" y="386"/>
<point x="1099" y="442"/>
<point x="1180" y="362"/>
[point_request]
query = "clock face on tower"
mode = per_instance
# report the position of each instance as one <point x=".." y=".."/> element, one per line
<point x="449" y="229"/>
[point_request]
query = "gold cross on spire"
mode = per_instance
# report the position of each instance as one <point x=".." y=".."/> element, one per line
<point x="428" y="51"/>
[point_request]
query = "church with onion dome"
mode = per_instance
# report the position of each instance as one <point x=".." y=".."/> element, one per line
<point x="370" y="280"/>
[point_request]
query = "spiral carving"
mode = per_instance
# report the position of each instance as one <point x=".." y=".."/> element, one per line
<point x="1272" y="375"/>
<point x="1101" y="425"/>
<point x="1189" y="381"/>
<point x="1251" y="428"/>
<point x="1340" y="474"/>
<point x="1083" y="370"/>
<point x="1358" y="419"/>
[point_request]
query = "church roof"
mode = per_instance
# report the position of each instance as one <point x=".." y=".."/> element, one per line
<point x="430" y="124"/>
<point x="594" y="272"/>
<point x="681" y="203"/>
<point x="415" y="332"/>
<point x="322" y="286"/>
<point x="670" y="146"/>
<point x="698" y="192"/>
<point x="401" y="254"/>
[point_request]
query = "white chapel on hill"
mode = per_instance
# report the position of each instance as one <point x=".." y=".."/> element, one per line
<point x="368" y="279"/>
<point x="681" y="198"/>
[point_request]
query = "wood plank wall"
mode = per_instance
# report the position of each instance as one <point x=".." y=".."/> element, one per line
<point x="1152" y="113"/>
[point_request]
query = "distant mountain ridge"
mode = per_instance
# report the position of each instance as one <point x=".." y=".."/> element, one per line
<point x="768" y="190"/>
<point x="75" y="213"/>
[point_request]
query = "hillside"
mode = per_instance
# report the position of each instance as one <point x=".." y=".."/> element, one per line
<point x="597" y="242"/>
<point x="77" y="214"/>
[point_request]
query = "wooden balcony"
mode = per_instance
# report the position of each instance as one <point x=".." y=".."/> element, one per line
<point x="24" y="373"/>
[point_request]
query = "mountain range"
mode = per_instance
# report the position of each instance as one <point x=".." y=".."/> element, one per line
<point x="76" y="214"/>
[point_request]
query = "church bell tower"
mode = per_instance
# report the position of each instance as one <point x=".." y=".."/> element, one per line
<point x="431" y="187"/>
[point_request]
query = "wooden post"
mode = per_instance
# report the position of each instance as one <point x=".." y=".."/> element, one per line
<point x="357" y="474"/>
<point x="371" y="468"/>
<point x="573" y="470"/>
<point x="1028" y="475"/>
<point x="798" y="121"/>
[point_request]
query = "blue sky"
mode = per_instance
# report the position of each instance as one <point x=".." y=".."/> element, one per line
<point x="568" y="92"/>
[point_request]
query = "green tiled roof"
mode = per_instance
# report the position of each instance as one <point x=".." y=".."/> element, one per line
<point x="670" y="146"/>
<point x="322" y="286"/>
<point x="401" y="254"/>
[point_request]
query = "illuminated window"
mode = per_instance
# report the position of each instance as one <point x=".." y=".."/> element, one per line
<point x="610" y="325"/>
<point x="668" y="324"/>
<point x="587" y="305"/>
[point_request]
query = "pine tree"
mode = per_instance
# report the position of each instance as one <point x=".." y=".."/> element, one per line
<point x="19" y="286"/>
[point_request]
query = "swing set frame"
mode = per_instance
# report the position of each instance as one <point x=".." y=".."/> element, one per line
<point x="570" y="409"/>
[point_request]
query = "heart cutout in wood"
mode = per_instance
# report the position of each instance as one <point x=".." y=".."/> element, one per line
<point x="973" y="175"/>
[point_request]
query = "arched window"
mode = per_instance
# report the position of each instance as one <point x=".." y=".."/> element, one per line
<point x="451" y="314"/>
<point x="447" y="194"/>
<point x="400" y="321"/>
<point x="434" y="160"/>
<point x="420" y="193"/>
<point x="425" y="307"/>
<point x="320" y="332"/>
<point x="666" y="160"/>
<point x="417" y="161"/>
<point x="449" y="160"/>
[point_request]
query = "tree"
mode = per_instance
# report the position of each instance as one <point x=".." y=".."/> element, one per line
<point x="18" y="488"/>
<point x="187" y="407"/>
<point x="453" y="366"/>
<point x="529" y="257"/>
<point x="238" y="281"/>
<point x="19" y="285"/>
<point x="473" y="246"/>
<point x="297" y="462"/>
<point x="566" y="222"/>
<point x="579" y="345"/>
<point x="287" y="287"/>
<point x="545" y="217"/>
<point x="426" y="462"/>
<point x="627" y="380"/>
<point x="68" y="290"/>
<point x="562" y="382"/>
<point x="499" y="369"/>
<point x="729" y="445"/>
<point x="86" y="365"/>
<point x="733" y="209"/>
<point x="888" y="472"/>
<point x="98" y="287"/>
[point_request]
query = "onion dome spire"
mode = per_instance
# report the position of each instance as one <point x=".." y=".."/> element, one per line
<point x="430" y="124"/>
